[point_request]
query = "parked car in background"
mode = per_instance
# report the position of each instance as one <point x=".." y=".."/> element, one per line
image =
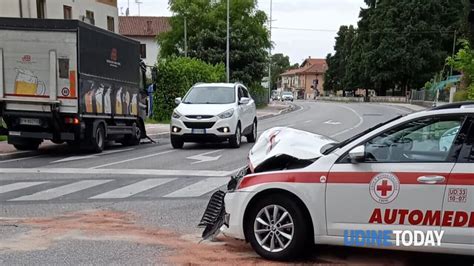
<point x="214" y="112"/>
<point x="287" y="96"/>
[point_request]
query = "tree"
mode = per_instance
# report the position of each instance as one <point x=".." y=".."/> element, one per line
<point x="206" y="31"/>
<point x="463" y="61"/>
<point x="398" y="45"/>
<point x="280" y="63"/>
<point x="337" y="75"/>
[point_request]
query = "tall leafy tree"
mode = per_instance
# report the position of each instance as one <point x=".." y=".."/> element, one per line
<point x="398" y="45"/>
<point x="280" y="63"/>
<point x="206" y="34"/>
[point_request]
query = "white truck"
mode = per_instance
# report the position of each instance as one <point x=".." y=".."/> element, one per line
<point x="68" y="81"/>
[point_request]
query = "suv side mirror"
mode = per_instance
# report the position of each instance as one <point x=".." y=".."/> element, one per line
<point x="177" y="101"/>
<point x="244" y="100"/>
<point x="357" y="154"/>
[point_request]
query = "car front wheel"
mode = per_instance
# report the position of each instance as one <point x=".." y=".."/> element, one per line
<point x="235" y="140"/>
<point x="277" y="229"/>
<point x="177" y="142"/>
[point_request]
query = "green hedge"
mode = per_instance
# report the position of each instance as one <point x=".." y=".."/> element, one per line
<point x="259" y="94"/>
<point x="175" y="77"/>
<point x="460" y="96"/>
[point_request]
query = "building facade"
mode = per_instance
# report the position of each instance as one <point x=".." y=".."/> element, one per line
<point x="145" y="30"/>
<point x="101" y="13"/>
<point x="307" y="81"/>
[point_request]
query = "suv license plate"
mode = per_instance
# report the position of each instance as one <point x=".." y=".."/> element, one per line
<point x="30" y="121"/>
<point x="198" y="131"/>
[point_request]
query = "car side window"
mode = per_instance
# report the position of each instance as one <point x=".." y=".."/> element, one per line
<point x="241" y="93"/>
<point x="245" y="92"/>
<point x="423" y="140"/>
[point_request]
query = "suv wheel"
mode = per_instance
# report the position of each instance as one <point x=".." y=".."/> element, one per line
<point x="177" y="142"/>
<point x="277" y="229"/>
<point x="235" y="140"/>
<point x="252" y="137"/>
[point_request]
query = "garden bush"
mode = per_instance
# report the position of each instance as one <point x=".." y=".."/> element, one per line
<point x="176" y="76"/>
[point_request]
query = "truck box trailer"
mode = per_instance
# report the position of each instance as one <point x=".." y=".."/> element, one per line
<point x="68" y="81"/>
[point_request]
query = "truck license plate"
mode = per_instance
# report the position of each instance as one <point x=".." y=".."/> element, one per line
<point x="198" y="131"/>
<point x="30" y="121"/>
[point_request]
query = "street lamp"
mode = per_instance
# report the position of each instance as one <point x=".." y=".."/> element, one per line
<point x="228" y="44"/>
<point x="270" y="53"/>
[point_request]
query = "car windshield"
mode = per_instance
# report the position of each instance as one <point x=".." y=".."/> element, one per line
<point x="210" y="95"/>
<point x="287" y="93"/>
<point x="333" y="146"/>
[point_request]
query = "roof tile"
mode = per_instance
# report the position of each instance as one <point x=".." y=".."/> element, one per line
<point x="143" y="26"/>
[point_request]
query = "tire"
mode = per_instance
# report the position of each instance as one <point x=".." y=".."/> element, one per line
<point x="236" y="139"/>
<point x="177" y="142"/>
<point x="134" y="139"/>
<point x="98" y="139"/>
<point x="288" y="248"/>
<point x="27" y="146"/>
<point x="252" y="137"/>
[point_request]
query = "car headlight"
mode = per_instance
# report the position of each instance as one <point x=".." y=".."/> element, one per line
<point x="176" y="115"/>
<point x="226" y="114"/>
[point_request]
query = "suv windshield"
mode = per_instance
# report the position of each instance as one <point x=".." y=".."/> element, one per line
<point x="210" y="95"/>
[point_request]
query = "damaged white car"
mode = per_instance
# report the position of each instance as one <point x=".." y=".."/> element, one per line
<point x="301" y="189"/>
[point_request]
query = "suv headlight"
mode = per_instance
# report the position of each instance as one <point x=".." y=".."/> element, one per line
<point x="176" y="115"/>
<point x="226" y="114"/>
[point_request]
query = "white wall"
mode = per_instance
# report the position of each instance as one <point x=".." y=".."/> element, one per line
<point x="54" y="10"/>
<point x="152" y="49"/>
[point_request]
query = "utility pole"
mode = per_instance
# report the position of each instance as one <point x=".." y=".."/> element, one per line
<point x="454" y="50"/>
<point x="270" y="58"/>
<point x="228" y="44"/>
<point x="185" y="37"/>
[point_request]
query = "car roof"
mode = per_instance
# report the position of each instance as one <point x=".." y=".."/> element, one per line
<point x="225" y="85"/>
<point x="464" y="108"/>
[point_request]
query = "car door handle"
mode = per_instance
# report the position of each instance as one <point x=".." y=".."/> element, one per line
<point x="431" y="179"/>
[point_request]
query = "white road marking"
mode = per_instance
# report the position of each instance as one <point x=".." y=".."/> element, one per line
<point x="330" y="122"/>
<point x="18" y="186"/>
<point x="307" y="121"/>
<point x="62" y="190"/>
<point x="133" y="189"/>
<point x="19" y="159"/>
<point x="198" y="189"/>
<point x="202" y="158"/>
<point x="361" y="120"/>
<point x="75" y="158"/>
<point x="75" y="172"/>
<point x="132" y="159"/>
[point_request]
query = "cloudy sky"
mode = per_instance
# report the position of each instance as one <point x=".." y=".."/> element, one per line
<point x="318" y="19"/>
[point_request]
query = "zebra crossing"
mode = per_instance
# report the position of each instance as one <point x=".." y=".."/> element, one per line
<point x="107" y="189"/>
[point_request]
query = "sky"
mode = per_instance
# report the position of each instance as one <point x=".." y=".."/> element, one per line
<point x="320" y="19"/>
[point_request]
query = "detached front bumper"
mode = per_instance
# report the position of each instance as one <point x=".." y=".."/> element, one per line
<point x="225" y="210"/>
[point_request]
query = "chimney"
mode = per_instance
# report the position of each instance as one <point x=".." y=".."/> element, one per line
<point x="148" y="27"/>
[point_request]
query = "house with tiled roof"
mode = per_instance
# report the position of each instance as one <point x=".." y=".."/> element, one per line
<point x="145" y="30"/>
<point x="307" y="81"/>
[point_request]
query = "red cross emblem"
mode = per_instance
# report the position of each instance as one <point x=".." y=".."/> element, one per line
<point x="384" y="188"/>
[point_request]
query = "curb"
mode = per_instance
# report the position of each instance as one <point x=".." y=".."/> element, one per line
<point x="17" y="154"/>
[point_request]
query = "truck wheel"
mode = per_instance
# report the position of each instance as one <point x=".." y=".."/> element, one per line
<point x="277" y="229"/>
<point x="27" y="146"/>
<point x="98" y="140"/>
<point x="177" y="142"/>
<point x="252" y="137"/>
<point x="235" y="140"/>
<point x="134" y="139"/>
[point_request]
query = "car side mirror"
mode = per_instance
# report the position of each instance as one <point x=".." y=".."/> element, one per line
<point x="244" y="100"/>
<point x="357" y="154"/>
<point x="177" y="101"/>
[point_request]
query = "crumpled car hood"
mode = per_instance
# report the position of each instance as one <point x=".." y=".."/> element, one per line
<point x="287" y="142"/>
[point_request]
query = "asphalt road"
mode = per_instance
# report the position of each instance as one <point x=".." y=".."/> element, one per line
<point x="141" y="205"/>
